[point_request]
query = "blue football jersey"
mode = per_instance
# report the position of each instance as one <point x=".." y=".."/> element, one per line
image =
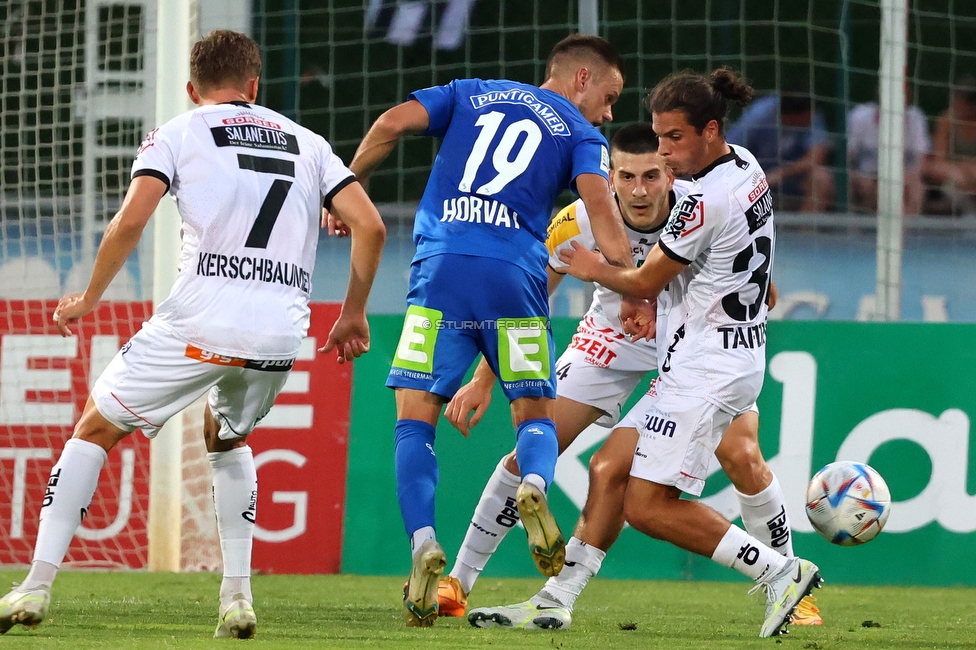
<point x="509" y="149"/>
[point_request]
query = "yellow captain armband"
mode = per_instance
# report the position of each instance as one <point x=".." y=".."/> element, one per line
<point x="563" y="228"/>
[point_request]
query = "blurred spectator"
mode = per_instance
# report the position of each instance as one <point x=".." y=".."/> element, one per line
<point x="862" y="155"/>
<point x="790" y="140"/>
<point x="954" y="165"/>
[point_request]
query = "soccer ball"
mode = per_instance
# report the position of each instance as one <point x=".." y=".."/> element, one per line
<point x="848" y="503"/>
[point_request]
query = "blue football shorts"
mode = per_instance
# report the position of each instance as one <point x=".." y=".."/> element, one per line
<point x="460" y="305"/>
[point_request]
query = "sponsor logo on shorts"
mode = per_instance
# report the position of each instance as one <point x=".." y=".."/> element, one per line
<point x="659" y="424"/>
<point x="415" y="350"/>
<point x="597" y="353"/>
<point x="266" y="365"/>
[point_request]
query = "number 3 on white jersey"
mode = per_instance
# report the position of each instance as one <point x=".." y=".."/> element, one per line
<point x="508" y="170"/>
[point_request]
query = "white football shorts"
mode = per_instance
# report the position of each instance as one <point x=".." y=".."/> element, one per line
<point x="602" y="371"/>
<point x="678" y="437"/>
<point x="156" y="375"/>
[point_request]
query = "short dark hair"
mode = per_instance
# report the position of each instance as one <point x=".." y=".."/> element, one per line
<point x="701" y="98"/>
<point x="636" y="138"/>
<point x="586" y="45"/>
<point x="224" y="58"/>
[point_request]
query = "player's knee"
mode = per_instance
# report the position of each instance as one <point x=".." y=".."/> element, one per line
<point x="104" y="437"/>
<point x="93" y="427"/>
<point x="609" y="471"/>
<point x="744" y="464"/>
<point x="211" y="435"/>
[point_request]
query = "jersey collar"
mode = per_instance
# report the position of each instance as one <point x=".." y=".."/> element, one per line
<point x="721" y="160"/>
<point x="238" y="102"/>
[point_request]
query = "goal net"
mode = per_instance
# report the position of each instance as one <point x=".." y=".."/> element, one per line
<point x="77" y="94"/>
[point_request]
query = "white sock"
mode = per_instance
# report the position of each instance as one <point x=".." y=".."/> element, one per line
<point x="66" y="500"/>
<point x="741" y="551"/>
<point x="420" y="536"/>
<point x="536" y="480"/>
<point x="235" y="490"/>
<point x="582" y="563"/>
<point x="495" y="515"/>
<point x="41" y="574"/>
<point x="765" y="518"/>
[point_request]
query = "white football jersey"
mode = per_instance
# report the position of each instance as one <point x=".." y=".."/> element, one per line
<point x="573" y="224"/>
<point x="250" y="185"/>
<point x="711" y="326"/>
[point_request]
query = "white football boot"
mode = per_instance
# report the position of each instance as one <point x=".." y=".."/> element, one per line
<point x="537" y="613"/>
<point x="25" y="607"/>
<point x="236" y="620"/>
<point x="784" y="591"/>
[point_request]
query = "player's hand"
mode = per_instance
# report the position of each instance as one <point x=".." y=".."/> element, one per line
<point x="475" y="396"/>
<point x="772" y="296"/>
<point x="334" y="225"/>
<point x="583" y="263"/>
<point x="349" y="337"/>
<point x="70" y="308"/>
<point x="639" y="317"/>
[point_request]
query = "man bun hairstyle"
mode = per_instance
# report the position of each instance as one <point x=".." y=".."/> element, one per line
<point x="701" y="98"/>
<point x="638" y="138"/>
<point x="577" y="46"/>
<point x="224" y="59"/>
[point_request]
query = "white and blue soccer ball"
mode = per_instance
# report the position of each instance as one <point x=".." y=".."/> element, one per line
<point x="848" y="503"/>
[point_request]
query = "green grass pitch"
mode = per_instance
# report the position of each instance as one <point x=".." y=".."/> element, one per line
<point x="142" y="610"/>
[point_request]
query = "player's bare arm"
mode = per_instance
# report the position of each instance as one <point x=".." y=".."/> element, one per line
<point x="350" y="334"/>
<point x="605" y="219"/>
<point x="121" y="238"/>
<point x="405" y="119"/>
<point x="608" y="230"/>
<point x="646" y="282"/>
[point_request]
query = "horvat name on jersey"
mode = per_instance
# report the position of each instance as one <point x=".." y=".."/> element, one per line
<point x="472" y="209"/>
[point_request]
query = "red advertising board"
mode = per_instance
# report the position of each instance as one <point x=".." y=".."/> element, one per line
<point x="300" y="449"/>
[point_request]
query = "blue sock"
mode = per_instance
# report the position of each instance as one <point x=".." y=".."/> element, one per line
<point x="537" y="448"/>
<point x="416" y="473"/>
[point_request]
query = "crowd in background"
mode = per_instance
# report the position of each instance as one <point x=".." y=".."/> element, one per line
<point x="788" y="134"/>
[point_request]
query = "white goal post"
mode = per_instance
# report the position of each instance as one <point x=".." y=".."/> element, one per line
<point x="174" y="38"/>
